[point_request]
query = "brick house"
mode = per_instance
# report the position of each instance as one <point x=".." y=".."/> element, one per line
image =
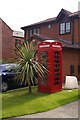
<point x="66" y="29"/>
<point x="7" y="42"/>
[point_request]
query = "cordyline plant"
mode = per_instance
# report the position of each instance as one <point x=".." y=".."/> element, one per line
<point x="27" y="66"/>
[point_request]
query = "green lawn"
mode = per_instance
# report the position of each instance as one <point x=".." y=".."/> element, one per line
<point x="20" y="102"/>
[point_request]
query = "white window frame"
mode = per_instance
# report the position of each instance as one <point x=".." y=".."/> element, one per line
<point x="65" y="27"/>
<point x="49" y="26"/>
<point x="34" y="31"/>
<point x="62" y="28"/>
<point x="30" y="33"/>
<point x="68" y="27"/>
<point x="38" y="31"/>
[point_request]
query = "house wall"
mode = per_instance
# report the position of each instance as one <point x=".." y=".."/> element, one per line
<point x="54" y="30"/>
<point x="76" y="30"/>
<point x="47" y="31"/>
<point x="7" y="42"/>
<point x="64" y="36"/>
<point x="79" y="64"/>
<point x="69" y="57"/>
<point x="0" y="38"/>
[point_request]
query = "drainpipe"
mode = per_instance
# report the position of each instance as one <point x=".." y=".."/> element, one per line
<point x="79" y="30"/>
<point x="72" y="31"/>
<point x="78" y="41"/>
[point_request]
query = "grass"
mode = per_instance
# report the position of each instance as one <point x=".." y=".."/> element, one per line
<point x="20" y="102"/>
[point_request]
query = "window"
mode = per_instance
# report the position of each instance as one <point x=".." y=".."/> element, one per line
<point x="30" y="33"/>
<point x="68" y="27"/>
<point x="71" y="69"/>
<point x="18" y="42"/>
<point x="38" y="31"/>
<point x="44" y="61"/>
<point x="65" y="28"/>
<point x="49" y="26"/>
<point x="62" y="28"/>
<point x="34" y="31"/>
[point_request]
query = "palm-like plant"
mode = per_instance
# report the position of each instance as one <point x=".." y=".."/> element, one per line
<point x="27" y="66"/>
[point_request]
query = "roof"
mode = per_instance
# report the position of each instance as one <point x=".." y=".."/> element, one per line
<point x="39" y="36"/>
<point x="41" y="22"/>
<point x="68" y="13"/>
<point x="65" y="43"/>
<point x="75" y="14"/>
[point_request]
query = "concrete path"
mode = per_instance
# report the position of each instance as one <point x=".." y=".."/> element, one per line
<point x="67" y="111"/>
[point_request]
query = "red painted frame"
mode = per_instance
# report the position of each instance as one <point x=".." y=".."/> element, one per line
<point x="52" y="84"/>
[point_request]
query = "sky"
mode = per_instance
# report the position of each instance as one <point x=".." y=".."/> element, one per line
<point x="19" y="13"/>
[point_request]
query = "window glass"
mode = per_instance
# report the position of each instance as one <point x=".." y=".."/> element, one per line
<point x="68" y="27"/>
<point x="18" y="42"/>
<point x="49" y="26"/>
<point x="65" y="28"/>
<point x="57" y="78"/>
<point x="9" y="68"/>
<point x="56" y="67"/>
<point x="57" y="83"/>
<point x="44" y="62"/>
<point x="62" y="28"/>
<point x="38" y="31"/>
<point x="30" y="32"/>
<point x="44" y="58"/>
<point x="34" y="31"/>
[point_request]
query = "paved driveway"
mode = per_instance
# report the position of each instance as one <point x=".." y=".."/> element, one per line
<point x="67" y="111"/>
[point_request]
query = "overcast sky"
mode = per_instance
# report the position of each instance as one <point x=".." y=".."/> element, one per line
<point x="19" y="13"/>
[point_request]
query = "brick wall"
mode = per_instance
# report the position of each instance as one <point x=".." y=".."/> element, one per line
<point x="76" y="24"/>
<point x="0" y="38"/>
<point x="7" y="42"/>
<point x="54" y="31"/>
<point x="69" y="57"/>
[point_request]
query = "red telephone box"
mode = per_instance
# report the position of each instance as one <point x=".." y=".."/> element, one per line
<point x="50" y="55"/>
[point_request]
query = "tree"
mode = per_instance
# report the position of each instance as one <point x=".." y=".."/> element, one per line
<point x="27" y="66"/>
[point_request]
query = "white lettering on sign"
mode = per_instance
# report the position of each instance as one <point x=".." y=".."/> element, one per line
<point x="41" y="46"/>
<point x="56" y="46"/>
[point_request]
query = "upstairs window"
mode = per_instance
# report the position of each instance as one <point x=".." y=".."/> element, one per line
<point x="38" y="31"/>
<point x="65" y="28"/>
<point x="68" y="27"/>
<point x="34" y="31"/>
<point x="62" y="28"/>
<point x="49" y="26"/>
<point x="30" y="33"/>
